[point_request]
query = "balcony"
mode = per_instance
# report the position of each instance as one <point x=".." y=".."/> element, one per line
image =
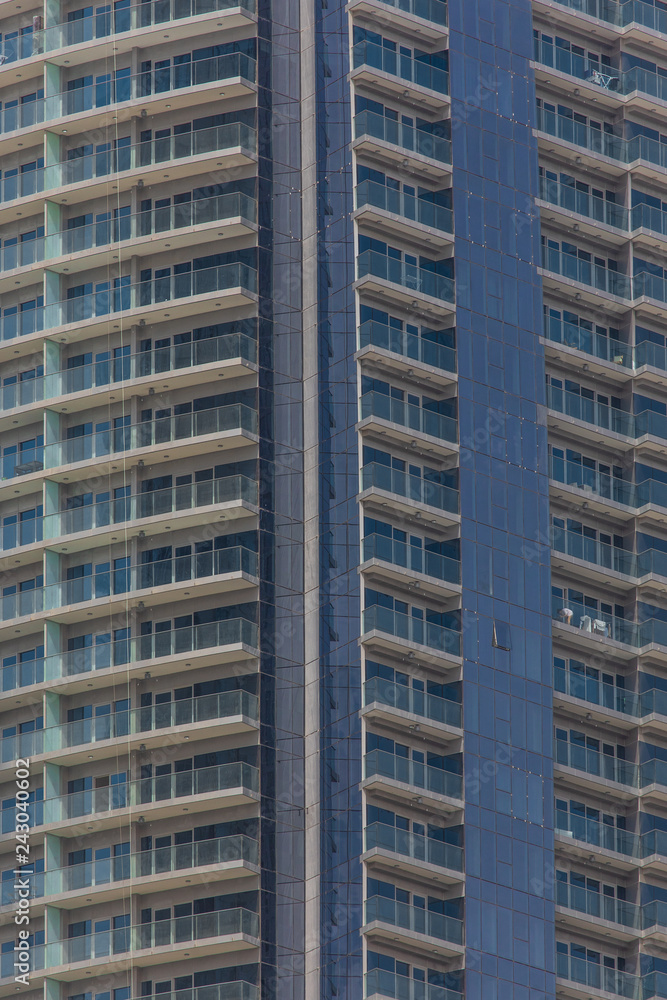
<point x="420" y="349"/>
<point x="381" y="984"/>
<point x="595" y="692"/>
<point x="236" y="143"/>
<point x="104" y="514"/>
<point x="238" y="562"/>
<point x="397" y="562"/>
<point x="418" y="18"/>
<point x="385" y="484"/>
<point x="600" y="835"/>
<point x="156" y="865"/>
<point x="427" y="852"/>
<point x="158" y="363"/>
<point x="598" y="765"/>
<point x="403" y="215"/>
<point x="589" y="206"/>
<point x="237" y="70"/>
<point x="411" y="924"/>
<point x="636" y="151"/>
<point x="590" y="411"/>
<point x="402" y="698"/>
<point x="393" y="628"/>
<point x="239" y="924"/>
<point x="163" y="13"/>
<point x="408" y="419"/>
<point x="589" y="342"/>
<point x="234" y="421"/>
<point x="234" y="711"/>
<point x="596" y="904"/>
<point x="393" y="142"/>
<point x="217" y="642"/>
<point x="226" y="784"/>
<point x="598" y="977"/>
<point x="189" y="294"/>
<point x="399" y="281"/>
<point x="390" y="71"/>
<point x="588" y="273"/>
<point x="596" y="553"/>
<point x="608" y="627"/>
<point x="600" y="487"/>
<point x="96" y="241"/>
<point x="405" y="778"/>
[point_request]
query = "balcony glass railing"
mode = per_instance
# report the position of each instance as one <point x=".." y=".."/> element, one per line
<point x="411" y="845"/>
<point x="595" y="692"/>
<point x="401" y="65"/>
<point x="587" y="272"/>
<point x="163" y="430"/>
<point x="408" y="345"/>
<point x="145" y="791"/>
<point x="108" y="654"/>
<point x="412" y="557"/>
<point x="156" y="934"/>
<point x="590" y="411"/>
<point x="224" y="705"/>
<point x="103" y="163"/>
<point x="598" y="977"/>
<point x="429" y="10"/>
<point x="592" y="550"/>
<point x="407" y="699"/>
<point x="383" y="477"/>
<point x="583" y="203"/>
<point x="597" y="834"/>
<point x="142" y="505"/>
<point x="635" y="495"/>
<point x="396" y="133"/>
<point x="579" y="134"/>
<point x="414" y="918"/>
<point x="104" y="23"/>
<point x="145" y="576"/>
<point x="424" y="633"/>
<point x="107" y="301"/>
<point x="416" y="418"/>
<point x="406" y="205"/>
<point x="413" y="772"/>
<point x="119" y="89"/>
<point x="601" y="624"/>
<point x="158" y="360"/>
<point x="388" y="984"/>
<point x="410" y="276"/>
<point x="130" y="227"/>
<point x="565" y="61"/>
<point x="598" y="764"/>
<point x="598" y="345"/>
<point x="146" y="864"/>
<point x="596" y="904"/>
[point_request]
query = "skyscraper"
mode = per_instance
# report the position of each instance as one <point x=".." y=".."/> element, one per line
<point x="333" y="409"/>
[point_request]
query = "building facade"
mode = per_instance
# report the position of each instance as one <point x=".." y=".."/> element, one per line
<point x="333" y="621"/>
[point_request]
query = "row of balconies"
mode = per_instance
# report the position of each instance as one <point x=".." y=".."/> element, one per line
<point x="235" y="783"/>
<point x="98" y="238"/>
<point x="237" y="637"/>
<point x="235" y="140"/>
<point x="235" y="929"/>
<point x="143" y="870"/>
<point x="107" y="24"/>
<point x="237" y="282"/>
<point x="236" y="70"/>
<point x="625" y="151"/>
<point x="603" y="279"/>
<point x="107" y="513"/>
<point x="132" y="369"/>
<point x="236" y="561"/>
<point x="595" y="692"/>
<point x="228" y="706"/>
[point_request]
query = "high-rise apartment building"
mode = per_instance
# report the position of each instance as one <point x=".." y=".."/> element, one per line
<point x="333" y="509"/>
